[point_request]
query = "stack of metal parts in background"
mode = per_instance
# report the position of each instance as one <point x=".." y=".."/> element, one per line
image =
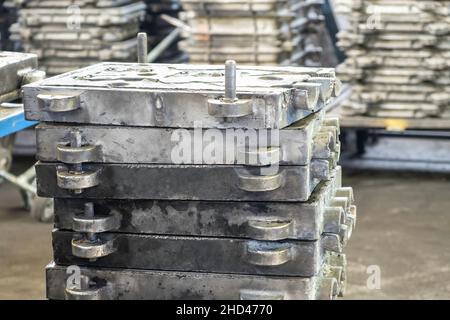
<point x="16" y="70"/>
<point x="162" y="191"/>
<point x="158" y="29"/>
<point x="69" y="34"/>
<point x="257" y="32"/>
<point x="398" y="57"/>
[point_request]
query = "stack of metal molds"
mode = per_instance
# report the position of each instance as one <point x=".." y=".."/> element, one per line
<point x="69" y="34"/>
<point x="158" y="29"/>
<point x="398" y="57"/>
<point x="170" y="184"/>
<point x="16" y="70"/>
<point x="257" y="32"/>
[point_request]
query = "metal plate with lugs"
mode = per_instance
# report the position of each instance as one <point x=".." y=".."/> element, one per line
<point x="180" y="182"/>
<point x="294" y="145"/>
<point x="400" y="7"/>
<point x="421" y="59"/>
<point x="67" y="3"/>
<point x="88" y="16"/>
<point x="393" y="41"/>
<point x="388" y="75"/>
<point x="42" y="34"/>
<point x="233" y="6"/>
<point x="158" y="95"/>
<point x="251" y="220"/>
<point x="52" y="53"/>
<point x="200" y="254"/>
<point x="127" y="284"/>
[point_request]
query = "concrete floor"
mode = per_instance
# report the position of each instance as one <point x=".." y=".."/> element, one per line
<point x="403" y="228"/>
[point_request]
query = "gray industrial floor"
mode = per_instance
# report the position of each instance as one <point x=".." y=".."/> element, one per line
<point x="403" y="229"/>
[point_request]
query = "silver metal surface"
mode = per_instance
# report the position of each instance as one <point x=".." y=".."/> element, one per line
<point x="14" y="67"/>
<point x="252" y="220"/>
<point x="199" y="254"/>
<point x="174" y="182"/>
<point x="87" y="249"/>
<point x="112" y="144"/>
<point x="67" y="35"/>
<point x="159" y="94"/>
<point x="130" y="284"/>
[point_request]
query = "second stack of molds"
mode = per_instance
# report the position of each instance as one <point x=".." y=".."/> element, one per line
<point x="67" y="34"/>
<point x="398" y="57"/>
<point x="274" y="32"/>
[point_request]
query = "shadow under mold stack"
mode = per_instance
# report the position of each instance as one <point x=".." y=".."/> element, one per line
<point x="171" y="183"/>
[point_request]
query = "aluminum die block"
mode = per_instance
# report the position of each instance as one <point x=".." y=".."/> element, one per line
<point x="158" y="95"/>
<point x="198" y="254"/>
<point x="88" y="16"/>
<point x="209" y="7"/>
<point x="56" y="53"/>
<point x="395" y="75"/>
<point x="127" y="284"/>
<point x="13" y="67"/>
<point x="180" y="182"/>
<point x="393" y="41"/>
<point x="282" y="26"/>
<point x="47" y="33"/>
<point x="294" y="145"/>
<point x="423" y="59"/>
<point x="250" y="220"/>
<point x="397" y="7"/>
<point x="67" y="3"/>
<point x="427" y="100"/>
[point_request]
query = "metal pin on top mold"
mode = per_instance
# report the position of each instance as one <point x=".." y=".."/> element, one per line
<point x="142" y="47"/>
<point x="230" y="80"/>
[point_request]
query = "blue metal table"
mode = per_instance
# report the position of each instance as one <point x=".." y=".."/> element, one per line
<point x="12" y="119"/>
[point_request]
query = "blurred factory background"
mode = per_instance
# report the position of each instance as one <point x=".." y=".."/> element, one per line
<point x="392" y="56"/>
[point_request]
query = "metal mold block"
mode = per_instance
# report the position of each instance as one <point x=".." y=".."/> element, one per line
<point x="158" y="95"/>
<point x="177" y="182"/>
<point x="252" y="220"/>
<point x="294" y="145"/>
<point x="127" y="284"/>
<point x="13" y="67"/>
<point x="202" y="254"/>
